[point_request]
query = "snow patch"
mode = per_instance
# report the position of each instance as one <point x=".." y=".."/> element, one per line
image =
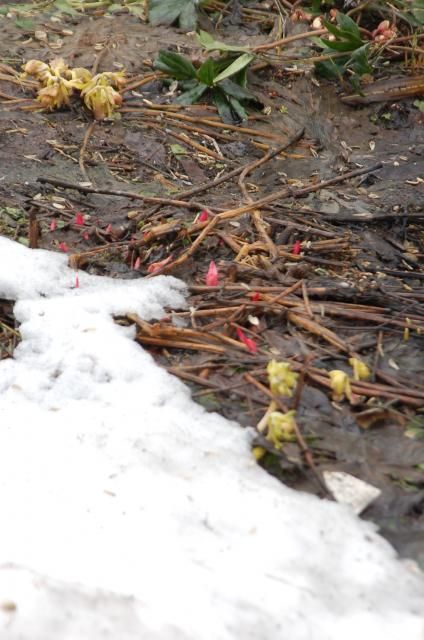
<point x="126" y="504"/>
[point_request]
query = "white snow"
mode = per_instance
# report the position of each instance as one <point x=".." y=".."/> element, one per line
<point x="129" y="512"/>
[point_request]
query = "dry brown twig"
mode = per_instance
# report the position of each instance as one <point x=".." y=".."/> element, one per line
<point x="83" y="148"/>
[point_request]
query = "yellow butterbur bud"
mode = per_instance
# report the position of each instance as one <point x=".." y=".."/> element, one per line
<point x="360" y="369"/>
<point x="54" y="95"/>
<point x="258" y="453"/>
<point x="102" y="101"/>
<point x="340" y="385"/>
<point x="46" y="73"/>
<point x="79" y="77"/>
<point x="35" y="67"/>
<point x="58" y="82"/>
<point x="282" y="380"/>
<point x="281" y="427"/>
<point x="115" y="78"/>
<point x="107" y="79"/>
<point x="58" y="66"/>
<point x="100" y="97"/>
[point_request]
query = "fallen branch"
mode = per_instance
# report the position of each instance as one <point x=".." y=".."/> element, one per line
<point x="83" y="188"/>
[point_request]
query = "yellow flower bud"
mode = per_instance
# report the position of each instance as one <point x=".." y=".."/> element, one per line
<point x="281" y="427"/>
<point x="54" y="95"/>
<point x="100" y="97"/>
<point x="35" y="67"/>
<point x="258" y="453"/>
<point x="340" y="385"/>
<point x="58" y="81"/>
<point x="58" y="66"/>
<point x="78" y="77"/>
<point x="282" y="380"/>
<point x="360" y="369"/>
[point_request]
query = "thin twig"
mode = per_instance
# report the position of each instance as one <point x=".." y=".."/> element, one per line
<point x="272" y="153"/>
<point x="119" y="193"/>
<point x="87" y="136"/>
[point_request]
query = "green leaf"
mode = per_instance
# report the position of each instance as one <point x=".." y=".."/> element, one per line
<point x="168" y="11"/>
<point x="24" y="23"/>
<point x="178" y="150"/>
<point x="238" y="64"/>
<point x="115" y="7"/>
<point x="348" y="26"/>
<point x="136" y="11"/>
<point x="175" y="65"/>
<point x="329" y="69"/>
<point x="206" y="73"/>
<point x="185" y="85"/>
<point x="359" y="60"/>
<point x="236" y="91"/>
<point x="193" y="95"/>
<point x="315" y="6"/>
<point x="229" y="109"/>
<point x="65" y="7"/>
<point x="418" y="11"/>
<point x="420" y="105"/>
<point x="237" y="108"/>
<point x="208" y="42"/>
<point x="351" y="35"/>
<point x="240" y="78"/>
<point x="319" y="43"/>
<point x="188" y="17"/>
<point x="224" y="107"/>
<point x="223" y="62"/>
<point x="338" y="45"/>
<point x="331" y="28"/>
<point x="165" y="11"/>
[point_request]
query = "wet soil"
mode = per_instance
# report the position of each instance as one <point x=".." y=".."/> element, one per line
<point x="355" y="288"/>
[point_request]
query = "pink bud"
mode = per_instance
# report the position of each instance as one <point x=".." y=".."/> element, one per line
<point x="203" y="216"/>
<point x="156" y="266"/>
<point x="255" y="296"/>
<point x="297" y="248"/>
<point x="79" y="219"/>
<point x="250" y="344"/>
<point x="76" y="281"/>
<point x="137" y="263"/>
<point x="85" y="235"/>
<point x="53" y="225"/>
<point x="63" y="247"/>
<point x="109" y="229"/>
<point x="212" y="275"/>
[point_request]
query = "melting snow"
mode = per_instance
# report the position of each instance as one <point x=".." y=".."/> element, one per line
<point x="127" y="511"/>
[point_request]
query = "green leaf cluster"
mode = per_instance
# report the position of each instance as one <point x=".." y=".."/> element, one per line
<point x="347" y="34"/>
<point x="347" y="40"/>
<point x="224" y="79"/>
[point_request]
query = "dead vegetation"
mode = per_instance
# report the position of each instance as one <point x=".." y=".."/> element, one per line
<point x="298" y="231"/>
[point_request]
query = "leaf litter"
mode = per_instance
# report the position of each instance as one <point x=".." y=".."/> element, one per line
<point x="298" y="231"/>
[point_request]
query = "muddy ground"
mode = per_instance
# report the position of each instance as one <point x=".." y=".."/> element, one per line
<point x="356" y="288"/>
